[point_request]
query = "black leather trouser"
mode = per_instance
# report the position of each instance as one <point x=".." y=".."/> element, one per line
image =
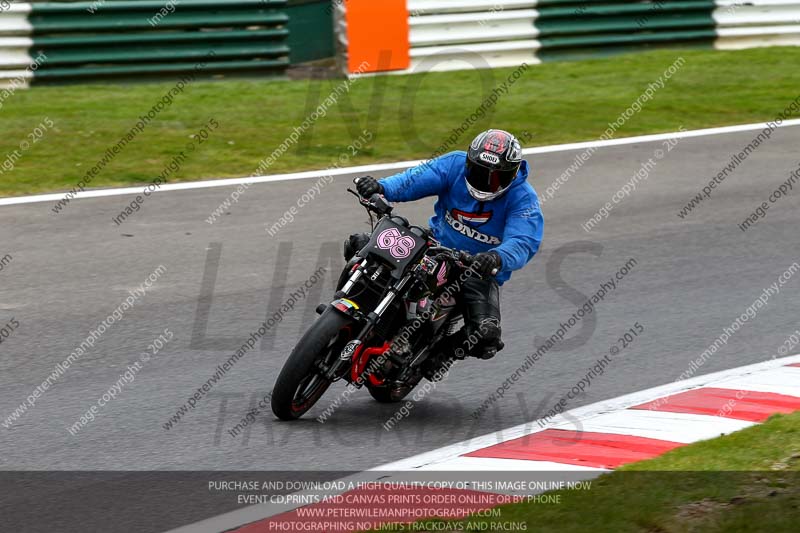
<point x="479" y="301"/>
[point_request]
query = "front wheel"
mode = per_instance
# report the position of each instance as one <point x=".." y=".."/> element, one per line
<point x="299" y="384"/>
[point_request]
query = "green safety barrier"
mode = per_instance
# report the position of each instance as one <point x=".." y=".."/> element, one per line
<point x="160" y="38"/>
<point x="579" y="29"/>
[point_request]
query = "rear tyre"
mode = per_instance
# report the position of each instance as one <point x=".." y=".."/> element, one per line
<point x="299" y="386"/>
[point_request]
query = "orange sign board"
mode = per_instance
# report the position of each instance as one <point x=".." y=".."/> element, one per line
<point x="377" y="35"/>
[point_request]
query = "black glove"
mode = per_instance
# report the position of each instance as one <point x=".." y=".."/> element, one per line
<point x="367" y="186"/>
<point x="485" y="263"/>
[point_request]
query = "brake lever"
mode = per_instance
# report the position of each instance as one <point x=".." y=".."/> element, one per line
<point x="363" y="201"/>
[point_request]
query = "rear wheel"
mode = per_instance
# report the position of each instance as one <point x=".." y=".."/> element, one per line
<point x="299" y="384"/>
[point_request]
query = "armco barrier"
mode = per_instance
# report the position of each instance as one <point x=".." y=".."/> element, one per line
<point x="14" y="45"/>
<point x="136" y="38"/>
<point x="458" y="34"/>
<point x="752" y="23"/>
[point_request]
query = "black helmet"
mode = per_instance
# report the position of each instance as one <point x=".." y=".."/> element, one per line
<point x="493" y="160"/>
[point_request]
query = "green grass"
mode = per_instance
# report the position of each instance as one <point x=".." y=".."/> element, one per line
<point x="554" y="103"/>
<point x="746" y="481"/>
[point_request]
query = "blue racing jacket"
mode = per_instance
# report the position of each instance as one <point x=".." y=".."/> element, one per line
<point x="511" y="225"/>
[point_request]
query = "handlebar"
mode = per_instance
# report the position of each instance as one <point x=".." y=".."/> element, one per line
<point x="379" y="205"/>
<point x="444" y="253"/>
<point x="375" y="203"/>
<point x="459" y="257"/>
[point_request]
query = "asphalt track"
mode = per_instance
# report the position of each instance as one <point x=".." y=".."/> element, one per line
<point x="69" y="271"/>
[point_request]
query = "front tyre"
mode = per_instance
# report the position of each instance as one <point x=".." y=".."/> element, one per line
<point x="299" y="385"/>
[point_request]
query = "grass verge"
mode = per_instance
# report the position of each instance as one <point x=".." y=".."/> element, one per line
<point x="408" y="116"/>
<point x="748" y="481"/>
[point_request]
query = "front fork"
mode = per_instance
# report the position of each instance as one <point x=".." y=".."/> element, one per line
<point x="353" y="348"/>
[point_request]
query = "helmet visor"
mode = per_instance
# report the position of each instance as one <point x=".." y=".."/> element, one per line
<point x="489" y="180"/>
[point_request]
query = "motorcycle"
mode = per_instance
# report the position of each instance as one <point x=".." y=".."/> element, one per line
<point x="395" y="300"/>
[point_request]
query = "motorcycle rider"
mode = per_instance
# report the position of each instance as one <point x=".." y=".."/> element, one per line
<point x="485" y="207"/>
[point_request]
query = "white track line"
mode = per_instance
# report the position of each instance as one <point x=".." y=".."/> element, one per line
<point x="491" y="464"/>
<point x="589" y="412"/>
<point x="365" y="169"/>
<point x="777" y="381"/>
<point x="450" y="458"/>
<point x="662" y="425"/>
